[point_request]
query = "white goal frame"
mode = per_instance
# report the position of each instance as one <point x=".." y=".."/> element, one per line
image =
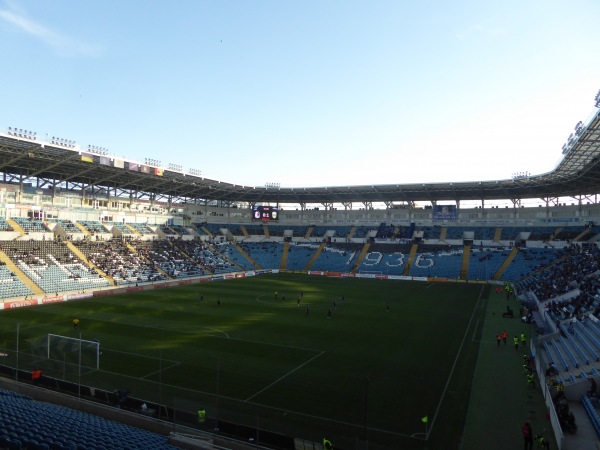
<point x="78" y="347"/>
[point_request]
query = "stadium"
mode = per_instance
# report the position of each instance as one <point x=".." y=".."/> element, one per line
<point x="366" y="316"/>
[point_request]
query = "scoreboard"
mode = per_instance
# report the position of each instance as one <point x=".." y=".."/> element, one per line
<point x="265" y="213"/>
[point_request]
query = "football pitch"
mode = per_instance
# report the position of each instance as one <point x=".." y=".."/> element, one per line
<point x="391" y="354"/>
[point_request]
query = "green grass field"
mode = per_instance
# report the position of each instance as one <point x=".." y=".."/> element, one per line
<point x="364" y="374"/>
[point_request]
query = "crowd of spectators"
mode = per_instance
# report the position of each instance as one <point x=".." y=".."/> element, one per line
<point x="576" y="270"/>
<point x="121" y="264"/>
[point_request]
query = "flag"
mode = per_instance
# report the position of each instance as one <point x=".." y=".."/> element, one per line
<point x="425" y="419"/>
<point x="87" y="157"/>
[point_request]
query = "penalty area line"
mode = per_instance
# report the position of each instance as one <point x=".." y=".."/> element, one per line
<point x="161" y="370"/>
<point x="282" y="377"/>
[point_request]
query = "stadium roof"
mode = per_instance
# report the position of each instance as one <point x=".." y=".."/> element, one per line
<point x="46" y="165"/>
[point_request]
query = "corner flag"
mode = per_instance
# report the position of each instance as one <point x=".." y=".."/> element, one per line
<point x="425" y="419"/>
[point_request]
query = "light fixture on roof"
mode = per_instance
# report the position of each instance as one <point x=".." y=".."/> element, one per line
<point x="20" y="132"/>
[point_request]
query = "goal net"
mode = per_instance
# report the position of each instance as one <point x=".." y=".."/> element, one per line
<point x="76" y="351"/>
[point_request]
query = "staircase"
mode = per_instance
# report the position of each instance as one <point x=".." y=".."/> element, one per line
<point x="84" y="258"/>
<point x="82" y="228"/>
<point x="286" y="249"/>
<point x="244" y="231"/>
<point x="266" y="231"/>
<point x="464" y="268"/>
<point x="506" y="263"/>
<point x="245" y="255"/>
<point x="315" y="256"/>
<point x="581" y="235"/>
<point x="15" y="226"/>
<point x="208" y="233"/>
<point x="443" y="233"/>
<point x="133" y="230"/>
<point x="498" y="234"/>
<point x="558" y="230"/>
<point x="309" y="231"/>
<point x="351" y="232"/>
<point x="360" y="258"/>
<point x="411" y="258"/>
<point x="10" y="265"/>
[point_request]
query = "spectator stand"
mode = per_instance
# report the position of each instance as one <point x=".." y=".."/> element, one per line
<point x="337" y="257"/>
<point x="388" y="259"/>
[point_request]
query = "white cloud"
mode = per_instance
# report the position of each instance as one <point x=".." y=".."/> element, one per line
<point x="63" y="44"/>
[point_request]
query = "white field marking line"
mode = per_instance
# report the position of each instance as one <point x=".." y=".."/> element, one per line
<point x="326" y="419"/>
<point x="453" y="367"/>
<point x="475" y="330"/>
<point x="277" y="345"/>
<point x="218" y="331"/>
<point x="141" y="356"/>
<point x="428" y="285"/>
<point x="282" y="377"/>
<point x="161" y="370"/>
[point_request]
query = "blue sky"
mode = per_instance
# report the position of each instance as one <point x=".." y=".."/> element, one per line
<point x="307" y="93"/>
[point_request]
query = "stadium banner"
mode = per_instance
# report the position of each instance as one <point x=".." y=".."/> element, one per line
<point x="315" y="272"/>
<point x="20" y="304"/>
<point x="134" y="289"/>
<point x="400" y="277"/>
<point x="160" y="285"/>
<point x="444" y="212"/>
<point x="333" y="274"/>
<point x="79" y="296"/>
<point x="274" y="270"/>
<point x="134" y="167"/>
<point x="184" y="283"/>
<point x="107" y="292"/>
<point x="119" y="163"/>
<point x="158" y="171"/>
<point x="437" y="280"/>
<point x="348" y="275"/>
<point x="217" y="278"/>
<point x="54" y="299"/>
<point x="419" y="278"/>
<point x="365" y="275"/>
<point x="105" y="161"/>
<point x="230" y="276"/>
<point x="204" y="280"/>
<point x="144" y="169"/>
<point x="87" y="157"/>
<point x="250" y="273"/>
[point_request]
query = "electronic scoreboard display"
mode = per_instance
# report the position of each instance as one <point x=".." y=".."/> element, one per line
<point x="265" y="213"/>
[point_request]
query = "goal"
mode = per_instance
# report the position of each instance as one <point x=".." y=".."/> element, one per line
<point x="70" y="350"/>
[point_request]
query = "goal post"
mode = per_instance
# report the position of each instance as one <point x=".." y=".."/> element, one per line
<point x="72" y="350"/>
